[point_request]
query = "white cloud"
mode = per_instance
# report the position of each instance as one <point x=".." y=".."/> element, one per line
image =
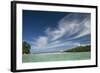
<point x="59" y="31"/>
<point x="69" y="43"/>
<point x="66" y="27"/>
<point x="85" y="29"/>
<point x="55" y="42"/>
<point x="41" y="42"/>
<point x="55" y="34"/>
<point x="70" y="25"/>
<point x="76" y="25"/>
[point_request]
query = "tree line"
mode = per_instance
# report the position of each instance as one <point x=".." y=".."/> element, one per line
<point x="86" y="48"/>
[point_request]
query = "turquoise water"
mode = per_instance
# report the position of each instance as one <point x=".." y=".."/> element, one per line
<point x="56" y="56"/>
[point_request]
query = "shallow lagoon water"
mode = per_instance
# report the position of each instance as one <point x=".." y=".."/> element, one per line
<point x="44" y="57"/>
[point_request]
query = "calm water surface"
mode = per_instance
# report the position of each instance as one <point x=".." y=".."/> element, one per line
<point x="56" y="57"/>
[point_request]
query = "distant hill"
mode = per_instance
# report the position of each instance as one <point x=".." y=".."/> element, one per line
<point x="86" y="48"/>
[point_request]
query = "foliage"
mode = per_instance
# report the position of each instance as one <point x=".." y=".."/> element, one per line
<point x="86" y="48"/>
<point x="26" y="47"/>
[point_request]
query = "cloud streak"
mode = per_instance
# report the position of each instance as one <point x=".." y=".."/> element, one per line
<point x="69" y="25"/>
<point x="72" y="24"/>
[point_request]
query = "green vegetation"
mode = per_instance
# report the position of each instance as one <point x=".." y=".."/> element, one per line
<point x="26" y="48"/>
<point x="86" y="48"/>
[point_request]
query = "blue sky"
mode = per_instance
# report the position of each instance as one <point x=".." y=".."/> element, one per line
<point x="48" y="31"/>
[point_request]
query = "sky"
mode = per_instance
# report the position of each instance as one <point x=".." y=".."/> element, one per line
<point x="48" y="31"/>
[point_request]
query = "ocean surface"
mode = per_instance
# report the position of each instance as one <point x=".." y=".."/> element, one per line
<point x="44" y="57"/>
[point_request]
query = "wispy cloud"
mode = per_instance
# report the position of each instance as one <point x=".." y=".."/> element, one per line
<point x="41" y="42"/>
<point x="63" y="44"/>
<point x="85" y="28"/>
<point x="72" y="24"/>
